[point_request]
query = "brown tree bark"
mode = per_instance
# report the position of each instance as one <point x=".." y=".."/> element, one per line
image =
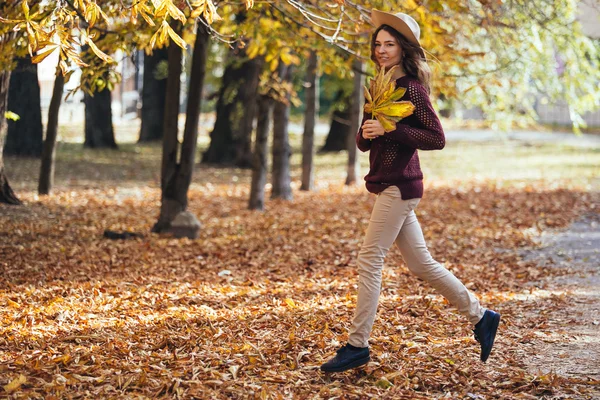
<point x="243" y="155"/>
<point x="49" y="151"/>
<point x="98" y="128"/>
<point x="231" y="137"/>
<point x="7" y="196"/>
<point x="259" y="167"/>
<point x="170" y="204"/>
<point x="25" y="136"/>
<point x="99" y="132"/>
<point x="281" y="180"/>
<point x="311" y="84"/>
<point x="177" y="176"/>
<point x="356" y="117"/>
<point x="340" y="128"/>
<point x="154" y="89"/>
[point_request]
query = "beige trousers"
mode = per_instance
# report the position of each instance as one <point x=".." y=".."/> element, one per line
<point x="394" y="220"/>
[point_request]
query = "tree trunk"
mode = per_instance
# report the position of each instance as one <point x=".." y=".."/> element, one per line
<point x="177" y="176"/>
<point x="259" y="167"/>
<point x="281" y="146"/>
<point x="154" y="91"/>
<point x="231" y="138"/>
<point x="312" y="105"/>
<point x="25" y="136"/>
<point x="7" y="196"/>
<point x="249" y="100"/>
<point x="339" y="130"/>
<point x="48" y="153"/>
<point x="356" y="117"/>
<point x="170" y="206"/>
<point x="99" y="132"/>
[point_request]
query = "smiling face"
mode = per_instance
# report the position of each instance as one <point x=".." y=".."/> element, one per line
<point x="387" y="51"/>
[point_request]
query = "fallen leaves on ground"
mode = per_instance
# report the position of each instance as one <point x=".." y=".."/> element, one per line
<point x="260" y="300"/>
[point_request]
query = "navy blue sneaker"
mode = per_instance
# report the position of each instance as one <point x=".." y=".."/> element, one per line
<point x="347" y="357"/>
<point x="485" y="332"/>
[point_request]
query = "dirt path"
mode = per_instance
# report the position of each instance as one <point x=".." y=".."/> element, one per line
<point x="572" y="350"/>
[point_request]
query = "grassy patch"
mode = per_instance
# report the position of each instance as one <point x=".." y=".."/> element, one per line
<point x="505" y="162"/>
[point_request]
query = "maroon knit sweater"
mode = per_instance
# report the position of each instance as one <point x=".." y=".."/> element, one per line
<point x="394" y="158"/>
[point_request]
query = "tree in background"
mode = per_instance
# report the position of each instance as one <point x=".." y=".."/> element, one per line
<point x="280" y="177"/>
<point x="99" y="80"/>
<point x="7" y="195"/>
<point x="65" y="34"/>
<point x="25" y="135"/>
<point x="260" y="153"/>
<point x="176" y="173"/>
<point x="311" y="101"/>
<point x="46" y="180"/>
<point x="339" y="128"/>
<point x="281" y="49"/>
<point x="356" y="118"/>
<point x="154" y="90"/>
<point x="498" y="56"/>
<point x="231" y="137"/>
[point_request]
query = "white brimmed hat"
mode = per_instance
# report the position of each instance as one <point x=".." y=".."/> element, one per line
<point x="403" y="23"/>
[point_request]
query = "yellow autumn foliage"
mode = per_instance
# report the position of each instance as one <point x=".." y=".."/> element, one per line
<point x="382" y="100"/>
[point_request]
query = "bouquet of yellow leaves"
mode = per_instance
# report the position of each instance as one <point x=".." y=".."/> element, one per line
<point x="382" y="103"/>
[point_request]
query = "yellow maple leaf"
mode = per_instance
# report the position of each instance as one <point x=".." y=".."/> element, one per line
<point x="382" y="100"/>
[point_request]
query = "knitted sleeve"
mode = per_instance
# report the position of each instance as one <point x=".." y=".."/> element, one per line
<point x="362" y="143"/>
<point x="430" y="134"/>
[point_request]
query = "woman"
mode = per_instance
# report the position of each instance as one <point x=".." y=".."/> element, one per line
<point x="395" y="176"/>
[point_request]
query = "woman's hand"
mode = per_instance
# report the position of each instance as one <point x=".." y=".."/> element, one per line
<point x="372" y="129"/>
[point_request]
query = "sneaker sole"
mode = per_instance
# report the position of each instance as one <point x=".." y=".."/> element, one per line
<point x="354" y="364"/>
<point x="495" y="323"/>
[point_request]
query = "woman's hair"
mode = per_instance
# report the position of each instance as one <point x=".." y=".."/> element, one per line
<point x="412" y="61"/>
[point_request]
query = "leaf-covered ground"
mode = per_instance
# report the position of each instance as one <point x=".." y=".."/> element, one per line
<point x="260" y="300"/>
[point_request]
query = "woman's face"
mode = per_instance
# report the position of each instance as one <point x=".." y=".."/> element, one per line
<point x="387" y="50"/>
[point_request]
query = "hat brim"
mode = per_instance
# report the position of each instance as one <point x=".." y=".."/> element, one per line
<point x="383" y="18"/>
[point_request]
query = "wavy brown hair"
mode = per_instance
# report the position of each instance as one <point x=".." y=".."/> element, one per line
<point x="412" y="62"/>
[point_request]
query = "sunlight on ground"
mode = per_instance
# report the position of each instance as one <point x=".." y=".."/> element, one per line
<point x="506" y="163"/>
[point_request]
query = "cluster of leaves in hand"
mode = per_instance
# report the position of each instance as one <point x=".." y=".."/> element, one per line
<point x="382" y="100"/>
